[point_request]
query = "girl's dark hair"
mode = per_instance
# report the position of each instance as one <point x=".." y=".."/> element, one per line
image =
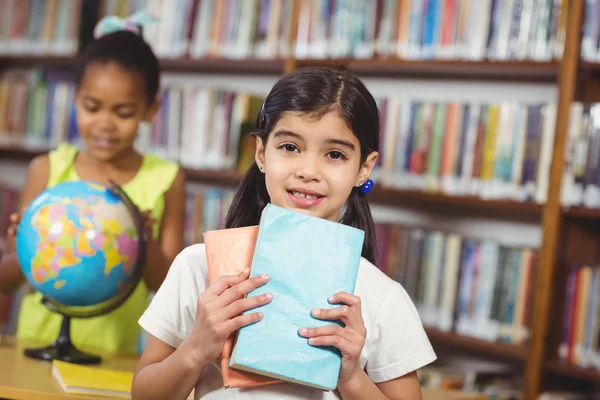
<point x="314" y="91"/>
<point x="130" y="51"/>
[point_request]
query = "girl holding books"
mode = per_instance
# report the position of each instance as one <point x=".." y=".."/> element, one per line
<point x="317" y="136"/>
<point x="117" y="84"/>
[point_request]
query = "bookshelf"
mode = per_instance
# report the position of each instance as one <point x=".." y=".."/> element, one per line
<point x="570" y="227"/>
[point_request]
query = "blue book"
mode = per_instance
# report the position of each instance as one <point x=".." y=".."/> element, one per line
<point x="308" y="259"/>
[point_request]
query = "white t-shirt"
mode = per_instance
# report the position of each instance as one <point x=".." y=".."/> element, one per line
<point x="396" y="343"/>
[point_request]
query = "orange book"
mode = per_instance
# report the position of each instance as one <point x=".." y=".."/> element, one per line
<point x="229" y="252"/>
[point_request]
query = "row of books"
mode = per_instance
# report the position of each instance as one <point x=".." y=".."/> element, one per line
<point x="241" y="29"/>
<point x="581" y="323"/>
<point x="581" y="176"/>
<point x="475" y="287"/>
<point x="432" y="29"/>
<point x="40" y="27"/>
<point x="491" y="150"/>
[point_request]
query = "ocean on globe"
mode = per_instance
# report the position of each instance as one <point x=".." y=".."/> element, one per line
<point x="77" y="244"/>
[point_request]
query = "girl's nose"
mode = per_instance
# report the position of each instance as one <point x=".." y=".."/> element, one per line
<point x="308" y="169"/>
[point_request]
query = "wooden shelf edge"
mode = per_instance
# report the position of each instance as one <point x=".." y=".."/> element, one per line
<point x="532" y="71"/>
<point x="581" y="212"/>
<point x="572" y="371"/>
<point x="453" y="341"/>
<point x="206" y="65"/>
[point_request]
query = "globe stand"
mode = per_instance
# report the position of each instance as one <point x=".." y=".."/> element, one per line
<point x="63" y="349"/>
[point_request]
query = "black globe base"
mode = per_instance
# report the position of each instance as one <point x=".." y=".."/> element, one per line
<point x="63" y="349"/>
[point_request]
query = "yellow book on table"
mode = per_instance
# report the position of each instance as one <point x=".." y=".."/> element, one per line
<point x="80" y="379"/>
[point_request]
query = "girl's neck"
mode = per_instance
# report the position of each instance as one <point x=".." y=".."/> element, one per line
<point x="126" y="161"/>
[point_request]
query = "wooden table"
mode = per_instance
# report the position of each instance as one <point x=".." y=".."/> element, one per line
<point x="23" y="378"/>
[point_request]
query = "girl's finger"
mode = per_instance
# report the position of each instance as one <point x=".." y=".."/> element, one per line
<point x="346" y="298"/>
<point x="342" y="344"/>
<point x="239" y="306"/>
<point x="238" y="291"/>
<point x="236" y="323"/>
<point x="225" y="282"/>
<point x="343" y="313"/>
<point x="328" y="330"/>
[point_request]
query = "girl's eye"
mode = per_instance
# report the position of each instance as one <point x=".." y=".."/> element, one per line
<point x="125" y="116"/>
<point x="91" y="109"/>
<point x="336" y="155"/>
<point x="288" y="147"/>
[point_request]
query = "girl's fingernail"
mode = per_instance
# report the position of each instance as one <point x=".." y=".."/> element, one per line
<point x="303" y="331"/>
<point x="331" y="299"/>
<point x="311" y="340"/>
<point x="264" y="277"/>
<point x="245" y="271"/>
<point x="316" y="311"/>
<point x="268" y="296"/>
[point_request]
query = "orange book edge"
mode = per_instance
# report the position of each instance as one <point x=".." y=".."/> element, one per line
<point x="229" y="252"/>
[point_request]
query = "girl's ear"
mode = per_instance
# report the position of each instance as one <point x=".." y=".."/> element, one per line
<point x="366" y="168"/>
<point x="152" y="109"/>
<point x="259" y="154"/>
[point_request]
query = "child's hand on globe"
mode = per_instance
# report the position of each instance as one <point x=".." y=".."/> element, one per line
<point x="15" y="218"/>
<point x="148" y="223"/>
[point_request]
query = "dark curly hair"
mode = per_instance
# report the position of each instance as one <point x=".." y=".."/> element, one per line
<point x="130" y="51"/>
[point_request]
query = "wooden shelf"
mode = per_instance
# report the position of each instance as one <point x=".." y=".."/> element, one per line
<point x="505" y="209"/>
<point x="572" y="371"/>
<point x="530" y="71"/>
<point x="209" y="65"/>
<point x="455" y="342"/>
<point x="581" y="212"/>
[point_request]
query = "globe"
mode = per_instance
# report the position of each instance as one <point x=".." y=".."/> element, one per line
<point x="81" y="245"/>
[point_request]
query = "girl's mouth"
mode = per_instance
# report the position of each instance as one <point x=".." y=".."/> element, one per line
<point x="303" y="199"/>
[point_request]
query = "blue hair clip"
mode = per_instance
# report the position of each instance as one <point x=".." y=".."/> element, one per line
<point x="367" y="186"/>
<point x="132" y="23"/>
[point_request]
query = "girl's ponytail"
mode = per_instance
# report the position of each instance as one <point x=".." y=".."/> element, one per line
<point x="358" y="215"/>
<point x="249" y="200"/>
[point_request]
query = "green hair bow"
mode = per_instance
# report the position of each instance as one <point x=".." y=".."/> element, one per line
<point x="112" y="23"/>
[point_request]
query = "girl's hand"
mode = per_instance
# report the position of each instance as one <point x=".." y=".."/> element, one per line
<point x="15" y="218"/>
<point x="148" y="223"/>
<point x="218" y="313"/>
<point x="349" y="340"/>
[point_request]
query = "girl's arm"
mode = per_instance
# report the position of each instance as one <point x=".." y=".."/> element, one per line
<point x="362" y="387"/>
<point x="165" y="372"/>
<point x="162" y="252"/>
<point x="36" y="181"/>
<point x="168" y="373"/>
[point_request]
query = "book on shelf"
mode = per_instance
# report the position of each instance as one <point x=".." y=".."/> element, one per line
<point x="581" y="179"/>
<point x="308" y="260"/>
<point x="229" y="252"/>
<point x="590" y="32"/>
<point x="579" y="344"/>
<point x="206" y="209"/>
<point x="476" y="287"/>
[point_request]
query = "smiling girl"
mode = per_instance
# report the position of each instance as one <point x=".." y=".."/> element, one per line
<point x="317" y="137"/>
<point x="116" y="88"/>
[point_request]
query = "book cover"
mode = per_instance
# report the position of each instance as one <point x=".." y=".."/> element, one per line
<point x="308" y="259"/>
<point x="229" y="252"/>
<point x="80" y="379"/>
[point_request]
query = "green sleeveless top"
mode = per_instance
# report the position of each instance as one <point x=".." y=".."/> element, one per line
<point x="117" y="331"/>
